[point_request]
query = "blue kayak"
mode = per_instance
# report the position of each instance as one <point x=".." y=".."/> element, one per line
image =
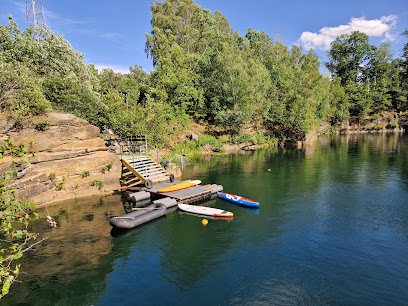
<point x="238" y="200"/>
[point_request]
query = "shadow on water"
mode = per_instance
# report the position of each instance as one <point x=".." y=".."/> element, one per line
<point x="331" y="228"/>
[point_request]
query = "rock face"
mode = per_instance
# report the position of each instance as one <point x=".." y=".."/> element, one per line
<point x="67" y="149"/>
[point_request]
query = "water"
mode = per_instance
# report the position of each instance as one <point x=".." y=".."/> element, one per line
<point x="332" y="229"/>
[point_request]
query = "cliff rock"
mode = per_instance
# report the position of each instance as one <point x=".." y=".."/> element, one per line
<point x="69" y="155"/>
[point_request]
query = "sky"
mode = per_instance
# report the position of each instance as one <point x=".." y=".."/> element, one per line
<point x="111" y="34"/>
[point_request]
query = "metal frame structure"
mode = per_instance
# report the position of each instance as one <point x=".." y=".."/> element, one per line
<point x="35" y="12"/>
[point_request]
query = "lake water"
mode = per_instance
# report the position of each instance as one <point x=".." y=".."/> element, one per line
<point x="332" y="229"/>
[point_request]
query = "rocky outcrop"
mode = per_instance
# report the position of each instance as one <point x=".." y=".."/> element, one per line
<point x="69" y="157"/>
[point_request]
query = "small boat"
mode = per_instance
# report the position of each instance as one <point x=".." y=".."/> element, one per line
<point x="238" y="200"/>
<point x="179" y="186"/>
<point x="205" y="211"/>
<point x="142" y="215"/>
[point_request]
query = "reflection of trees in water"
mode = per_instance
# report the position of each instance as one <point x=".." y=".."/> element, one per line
<point x="70" y="265"/>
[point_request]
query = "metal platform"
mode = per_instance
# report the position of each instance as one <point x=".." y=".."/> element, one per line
<point x="187" y="195"/>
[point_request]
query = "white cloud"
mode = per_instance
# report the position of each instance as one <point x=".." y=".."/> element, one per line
<point x="60" y="20"/>
<point x="374" y="27"/>
<point x="116" y="68"/>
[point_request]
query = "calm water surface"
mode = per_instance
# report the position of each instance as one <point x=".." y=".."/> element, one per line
<point x="332" y="229"/>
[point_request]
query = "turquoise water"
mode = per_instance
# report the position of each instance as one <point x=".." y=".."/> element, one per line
<point x="332" y="229"/>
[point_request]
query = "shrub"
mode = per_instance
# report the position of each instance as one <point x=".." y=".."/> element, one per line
<point x="97" y="183"/>
<point x="20" y="91"/>
<point x="392" y="125"/>
<point x="14" y="222"/>
<point x="52" y="176"/>
<point x="86" y="174"/>
<point x="229" y="119"/>
<point x="27" y="205"/>
<point x="107" y="168"/>
<point x="60" y="185"/>
<point x="42" y="125"/>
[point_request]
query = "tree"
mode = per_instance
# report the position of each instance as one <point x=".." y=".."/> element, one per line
<point x="15" y="217"/>
<point x="404" y="63"/>
<point x="366" y="73"/>
<point x="348" y="57"/>
<point x="56" y="74"/>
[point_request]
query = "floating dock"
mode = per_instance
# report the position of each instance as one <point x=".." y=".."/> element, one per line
<point x="162" y="202"/>
<point x="187" y="195"/>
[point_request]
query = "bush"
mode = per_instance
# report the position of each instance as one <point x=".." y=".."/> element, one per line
<point x="40" y="69"/>
<point x="392" y="125"/>
<point x="97" y="183"/>
<point x="229" y="119"/>
<point x="14" y="221"/>
<point x="52" y="176"/>
<point x="21" y="91"/>
<point x="107" y="168"/>
<point x="60" y="185"/>
<point x="27" y="205"/>
<point x="42" y="125"/>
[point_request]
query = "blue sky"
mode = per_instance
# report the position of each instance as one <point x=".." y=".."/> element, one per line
<point x="112" y="33"/>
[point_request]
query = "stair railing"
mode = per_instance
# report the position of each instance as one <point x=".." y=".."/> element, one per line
<point x="154" y="151"/>
<point x="139" y="146"/>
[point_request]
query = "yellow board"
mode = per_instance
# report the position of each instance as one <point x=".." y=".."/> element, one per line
<point x="178" y="186"/>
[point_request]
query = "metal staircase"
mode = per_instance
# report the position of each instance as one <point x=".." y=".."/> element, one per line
<point x="137" y="167"/>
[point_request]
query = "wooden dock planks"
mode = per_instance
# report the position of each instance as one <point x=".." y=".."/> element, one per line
<point x="188" y="195"/>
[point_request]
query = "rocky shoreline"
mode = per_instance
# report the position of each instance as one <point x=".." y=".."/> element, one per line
<point x="70" y="159"/>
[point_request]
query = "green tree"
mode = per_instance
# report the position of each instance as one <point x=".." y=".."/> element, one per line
<point x="48" y="71"/>
<point x="366" y="73"/>
<point x="15" y="217"/>
<point x="349" y="56"/>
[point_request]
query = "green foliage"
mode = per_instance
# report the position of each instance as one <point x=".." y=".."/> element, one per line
<point x="217" y="147"/>
<point x="52" y="176"/>
<point x="392" y="125"/>
<point x="164" y="163"/>
<point x="368" y="75"/>
<point x="97" y="183"/>
<point x="86" y="174"/>
<point x="40" y="69"/>
<point x="42" y="125"/>
<point x="27" y="205"/>
<point x="15" y="217"/>
<point x="107" y="168"/>
<point x="348" y="57"/>
<point x="230" y="119"/>
<point x="205" y="71"/>
<point x="20" y="90"/>
<point x="196" y="146"/>
<point x="58" y="185"/>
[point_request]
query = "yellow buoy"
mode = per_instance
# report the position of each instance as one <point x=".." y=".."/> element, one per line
<point x="269" y="169"/>
<point x="204" y="222"/>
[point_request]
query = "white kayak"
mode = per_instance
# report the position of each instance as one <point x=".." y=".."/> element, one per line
<point x="205" y="211"/>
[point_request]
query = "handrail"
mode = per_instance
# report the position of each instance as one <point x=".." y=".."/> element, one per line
<point x="158" y="153"/>
<point x="138" y="142"/>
